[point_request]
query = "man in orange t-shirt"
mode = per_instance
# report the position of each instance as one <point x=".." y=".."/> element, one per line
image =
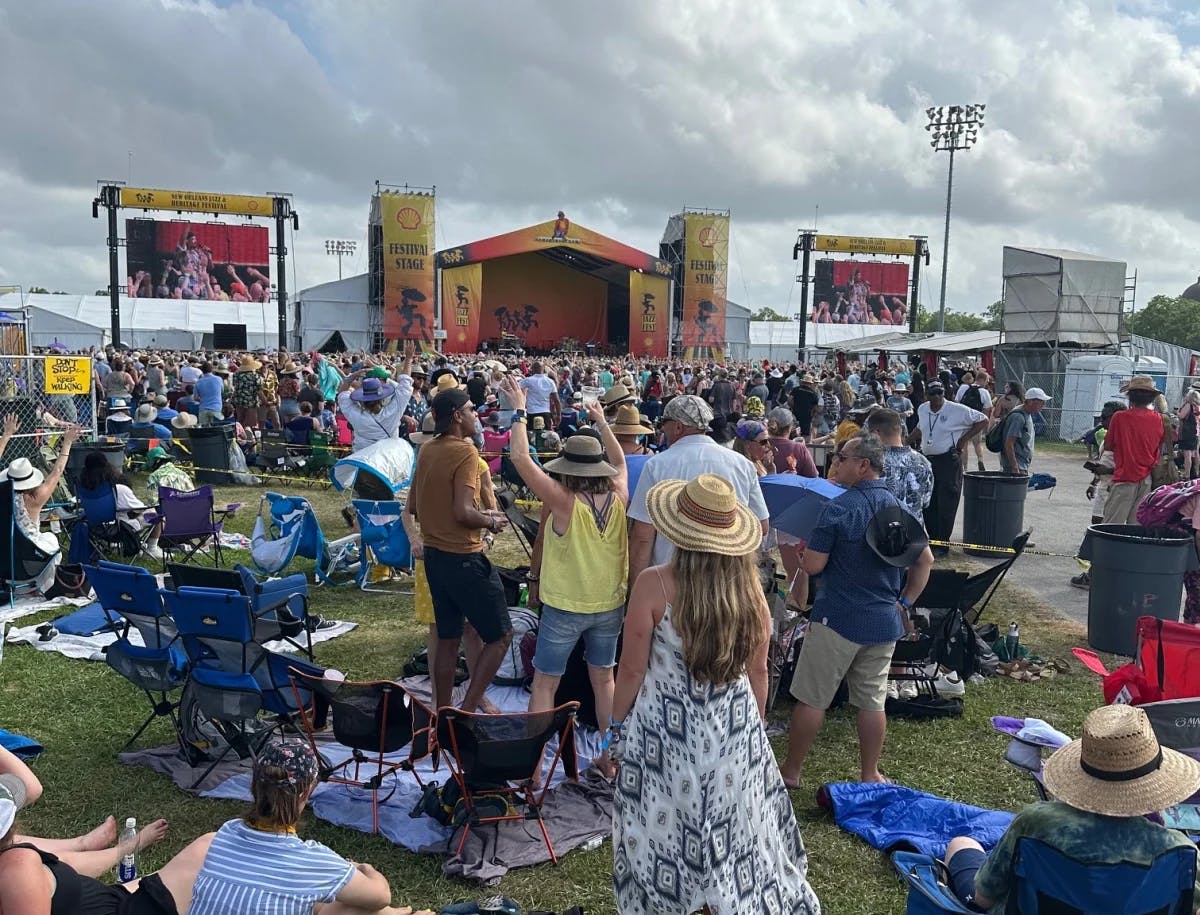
<point x="462" y="582"/>
<point x="1135" y="437"/>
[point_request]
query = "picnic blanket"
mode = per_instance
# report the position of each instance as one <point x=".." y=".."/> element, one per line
<point x="31" y="605"/>
<point x="85" y="635"/>
<point x="890" y="817"/>
<point x="574" y="813"/>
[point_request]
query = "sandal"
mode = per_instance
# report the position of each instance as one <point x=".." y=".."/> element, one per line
<point x="1061" y="665"/>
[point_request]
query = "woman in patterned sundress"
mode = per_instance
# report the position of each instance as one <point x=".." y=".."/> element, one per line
<point x="701" y="817"/>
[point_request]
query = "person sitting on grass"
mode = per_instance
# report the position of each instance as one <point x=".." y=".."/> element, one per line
<point x="258" y="863"/>
<point x="163" y="471"/>
<point x="1106" y="785"/>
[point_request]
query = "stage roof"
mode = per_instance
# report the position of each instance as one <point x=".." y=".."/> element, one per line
<point x="561" y="241"/>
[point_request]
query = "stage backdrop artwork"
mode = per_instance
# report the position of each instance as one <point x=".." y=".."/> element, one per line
<point x="649" y="315"/>
<point x="540" y="302"/>
<point x="194" y="260"/>
<point x="408" y="267"/>
<point x="706" y="261"/>
<point x="462" y="289"/>
<point x="860" y="292"/>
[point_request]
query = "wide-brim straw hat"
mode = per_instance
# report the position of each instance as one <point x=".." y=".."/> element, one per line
<point x="155" y="360"/>
<point x="184" y="421"/>
<point x="1139" y="383"/>
<point x="629" y="422"/>
<point x="23" y="475"/>
<point x="249" y="364"/>
<point x="617" y="394"/>
<point x="582" y="456"/>
<point x="1118" y="767"/>
<point x="446" y="382"/>
<point x="703" y="515"/>
<point x="290" y="368"/>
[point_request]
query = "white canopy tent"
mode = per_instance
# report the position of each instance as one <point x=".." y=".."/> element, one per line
<point x="78" y="322"/>
<point x="1066" y="296"/>
<point x="338" y="307"/>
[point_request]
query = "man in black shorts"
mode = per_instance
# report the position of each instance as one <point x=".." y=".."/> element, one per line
<point x="462" y="582"/>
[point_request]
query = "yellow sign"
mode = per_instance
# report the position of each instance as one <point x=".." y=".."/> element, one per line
<point x="68" y="375"/>
<point x="853" y="244"/>
<point x="144" y="198"/>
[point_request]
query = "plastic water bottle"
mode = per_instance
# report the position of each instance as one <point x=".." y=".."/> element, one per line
<point x="127" y="868"/>
<point x="1012" y="641"/>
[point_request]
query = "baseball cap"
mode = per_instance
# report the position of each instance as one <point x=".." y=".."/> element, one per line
<point x="444" y="405"/>
<point x="12" y="799"/>
<point x="935" y="387"/>
<point x="1037" y="394"/>
<point x="689" y="410"/>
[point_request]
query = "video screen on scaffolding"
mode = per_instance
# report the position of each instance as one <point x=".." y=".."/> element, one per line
<point x="859" y="292"/>
<point x="190" y="260"/>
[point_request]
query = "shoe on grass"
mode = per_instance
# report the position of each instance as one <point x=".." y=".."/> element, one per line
<point x="1083" y="581"/>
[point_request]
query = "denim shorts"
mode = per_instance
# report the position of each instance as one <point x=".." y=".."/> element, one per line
<point x="560" y="630"/>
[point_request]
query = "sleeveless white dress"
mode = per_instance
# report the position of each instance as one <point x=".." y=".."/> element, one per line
<point x="701" y="815"/>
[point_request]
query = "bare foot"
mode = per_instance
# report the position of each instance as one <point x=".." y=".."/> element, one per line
<point x="791" y="782"/>
<point x="100" y="838"/>
<point x="877" y="777"/>
<point x="148" y="835"/>
<point x="488" y="707"/>
<point x="605" y="765"/>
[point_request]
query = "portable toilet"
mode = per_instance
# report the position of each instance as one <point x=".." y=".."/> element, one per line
<point x="1093" y="380"/>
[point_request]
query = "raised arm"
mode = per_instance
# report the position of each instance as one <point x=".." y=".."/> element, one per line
<point x="9" y="430"/>
<point x="612" y="451"/>
<point x="555" y="496"/>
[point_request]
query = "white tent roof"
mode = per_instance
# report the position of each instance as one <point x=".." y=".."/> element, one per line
<point x="340" y="306"/>
<point x="782" y="333"/>
<point x="965" y="342"/>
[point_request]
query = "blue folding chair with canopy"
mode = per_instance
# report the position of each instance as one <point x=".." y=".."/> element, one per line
<point x="232" y="678"/>
<point x="1047" y="882"/>
<point x="287" y="527"/>
<point x="147" y="651"/>
<point x="384" y="541"/>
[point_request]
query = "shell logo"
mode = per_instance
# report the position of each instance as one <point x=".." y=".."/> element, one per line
<point x="462" y="336"/>
<point x="252" y="205"/>
<point x="408" y="218"/>
<point x="707" y="236"/>
<point x="649" y="343"/>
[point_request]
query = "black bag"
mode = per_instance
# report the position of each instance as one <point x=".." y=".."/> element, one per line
<point x="954" y="643"/>
<point x="924" y="707"/>
<point x="994" y="439"/>
<point x="69" y="581"/>
<point x="418" y="666"/>
<point x="972" y="398"/>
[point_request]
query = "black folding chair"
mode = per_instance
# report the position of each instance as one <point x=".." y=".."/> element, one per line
<point x="22" y="561"/>
<point x="486" y="753"/>
<point x="525" y="528"/>
<point x="374" y="719"/>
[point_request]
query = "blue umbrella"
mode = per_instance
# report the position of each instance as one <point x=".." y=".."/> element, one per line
<point x="795" y="502"/>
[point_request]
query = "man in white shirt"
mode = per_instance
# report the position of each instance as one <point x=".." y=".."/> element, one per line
<point x="539" y="390"/>
<point x="943" y="430"/>
<point x="690" y="452"/>
<point x="189" y="373"/>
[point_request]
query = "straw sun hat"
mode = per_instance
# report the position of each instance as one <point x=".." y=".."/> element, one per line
<point x="703" y="515"/>
<point x="629" y="422"/>
<point x="1118" y="768"/>
<point x="582" y="456"/>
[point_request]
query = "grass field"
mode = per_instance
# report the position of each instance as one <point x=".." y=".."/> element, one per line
<point x="83" y="712"/>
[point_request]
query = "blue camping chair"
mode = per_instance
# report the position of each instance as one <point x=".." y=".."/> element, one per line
<point x="104" y="530"/>
<point x="1047" y="882"/>
<point x="232" y="677"/>
<point x="287" y="527"/>
<point x="280" y="608"/>
<point x="131" y="601"/>
<point x="384" y="540"/>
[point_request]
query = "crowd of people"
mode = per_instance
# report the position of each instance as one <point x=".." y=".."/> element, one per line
<point x="662" y="572"/>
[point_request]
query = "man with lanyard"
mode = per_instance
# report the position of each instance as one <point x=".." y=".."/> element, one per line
<point x="943" y="430"/>
<point x="860" y="611"/>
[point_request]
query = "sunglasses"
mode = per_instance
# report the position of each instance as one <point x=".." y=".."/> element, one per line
<point x="841" y="455"/>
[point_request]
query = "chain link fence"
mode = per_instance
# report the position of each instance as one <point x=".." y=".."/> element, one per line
<point x="1076" y="400"/>
<point x="43" y="394"/>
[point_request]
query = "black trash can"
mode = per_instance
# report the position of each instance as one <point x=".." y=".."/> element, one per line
<point x="113" y="450"/>
<point x="1136" y="571"/>
<point x="210" y="449"/>
<point x="993" y="508"/>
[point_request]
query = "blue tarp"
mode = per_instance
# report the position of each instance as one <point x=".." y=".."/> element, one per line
<point x="888" y="817"/>
<point x="19" y="745"/>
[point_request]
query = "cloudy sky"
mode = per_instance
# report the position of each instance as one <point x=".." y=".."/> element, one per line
<point x="620" y="112"/>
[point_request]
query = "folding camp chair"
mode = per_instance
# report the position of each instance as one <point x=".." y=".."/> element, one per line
<point x="232" y="677"/>
<point x="487" y="752"/>
<point x="524" y="527"/>
<point x="22" y="562"/>
<point x="970" y="594"/>
<point x="384" y="541"/>
<point x="106" y="535"/>
<point x="374" y="719"/>
<point x="274" y="452"/>
<point x="190" y="523"/>
<point x="321" y="456"/>
<point x="1048" y="882"/>
<point x="131" y="600"/>
<point x="287" y="527"/>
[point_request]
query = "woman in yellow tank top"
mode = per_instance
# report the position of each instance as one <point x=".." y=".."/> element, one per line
<point x="585" y="553"/>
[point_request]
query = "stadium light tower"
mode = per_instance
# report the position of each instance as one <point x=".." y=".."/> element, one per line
<point x="339" y="247"/>
<point x="952" y="127"/>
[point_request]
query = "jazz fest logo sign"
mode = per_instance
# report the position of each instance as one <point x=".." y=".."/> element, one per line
<point x="68" y="375"/>
<point x="145" y="198"/>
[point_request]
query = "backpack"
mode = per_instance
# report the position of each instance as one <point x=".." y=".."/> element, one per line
<point x="972" y="398"/>
<point x="994" y="439"/>
<point x="513" y="670"/>
<point x="1161" y="507"/>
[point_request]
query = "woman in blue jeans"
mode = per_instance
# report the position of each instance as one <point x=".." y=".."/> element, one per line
<point x="583" y="575"/>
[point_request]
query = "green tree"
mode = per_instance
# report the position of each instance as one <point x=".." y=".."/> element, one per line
<point x="768" y="314"/>
<point x="1169" y="319"/>
<point x="956" y="321"/>
<point x="38" y="290"/>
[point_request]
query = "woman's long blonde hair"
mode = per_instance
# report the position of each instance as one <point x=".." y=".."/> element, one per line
<point x="717" y="612"/>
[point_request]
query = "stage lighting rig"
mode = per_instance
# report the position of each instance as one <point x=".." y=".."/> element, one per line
<point x="952" y="128"/>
